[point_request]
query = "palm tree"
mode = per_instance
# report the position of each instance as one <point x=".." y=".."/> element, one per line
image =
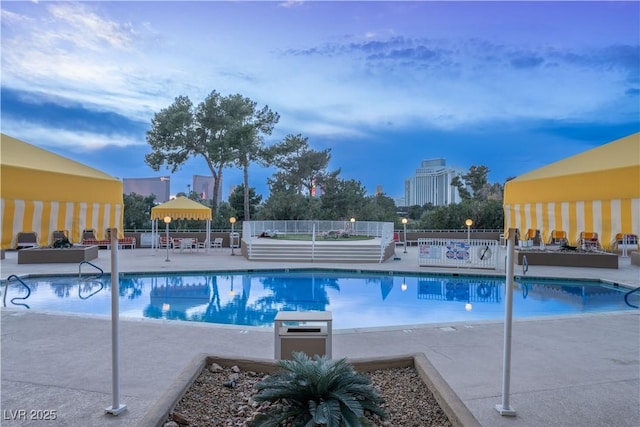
<point x="316" y="392"/>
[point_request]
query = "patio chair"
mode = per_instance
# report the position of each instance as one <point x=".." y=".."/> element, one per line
<point x="165" y="242"/>
<point x="185" y="243"/>
<point x="396" y="238"/>
<point x="27" y="239"/>
<point x="217" y="243"/>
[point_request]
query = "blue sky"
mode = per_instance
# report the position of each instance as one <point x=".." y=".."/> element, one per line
<point x="384" y="85"/>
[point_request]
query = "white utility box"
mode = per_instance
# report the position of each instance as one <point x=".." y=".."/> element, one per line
<point x="305" y="331"/>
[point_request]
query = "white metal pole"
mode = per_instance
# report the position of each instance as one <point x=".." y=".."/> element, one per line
<point x="504" y="408"/>
<point x="167" y="242"/>
<point x="207" y="241"/>
<point x="116" y="407"/>
<point x="405" y="237"/>
<point x="313" y="241"/>
<point x="233" y="237"/>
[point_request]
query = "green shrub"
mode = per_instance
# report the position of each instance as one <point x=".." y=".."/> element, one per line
<point x="317" y="392"/>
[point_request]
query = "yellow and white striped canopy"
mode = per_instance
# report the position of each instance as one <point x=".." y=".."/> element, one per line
<point x="181" y="208"/>
<point x="594" y="191"/>
<point x="42" y="192"/>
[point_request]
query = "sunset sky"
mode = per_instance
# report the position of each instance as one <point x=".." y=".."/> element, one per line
<point x="384" y="85"/>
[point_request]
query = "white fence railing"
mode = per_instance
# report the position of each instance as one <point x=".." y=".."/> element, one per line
<point x="382" y="230"/>
<point x="359" y="228"/>
<point x="458" y="253"/>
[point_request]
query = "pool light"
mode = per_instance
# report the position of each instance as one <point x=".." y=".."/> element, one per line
<point x="469" y="223"/>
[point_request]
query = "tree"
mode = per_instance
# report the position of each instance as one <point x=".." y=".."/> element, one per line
<point x="486" y="214"/>
<point x="236" y="200"/>
<point x="246" y="137"/>
<point x="342" y="199"/>
<point x="301" y="168"/>
<point x="222" y="215"/>
<point x="476" y="179"/>
<point x="378" y="208"/>
<point x="459" y="183"/>
<point x="137" y="210"/>
<point x="214" y="131"/>
<point x="286" y="204"/>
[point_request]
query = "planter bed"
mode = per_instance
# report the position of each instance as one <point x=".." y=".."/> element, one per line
<point x="568" y="259"/>
<point x="437" y="392"/>
<point x="75" y="254"/>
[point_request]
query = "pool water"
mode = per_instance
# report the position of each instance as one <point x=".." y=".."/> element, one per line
<point x="356" y="299"/>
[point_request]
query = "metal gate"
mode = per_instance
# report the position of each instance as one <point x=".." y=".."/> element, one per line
<point x="458" y="253"/>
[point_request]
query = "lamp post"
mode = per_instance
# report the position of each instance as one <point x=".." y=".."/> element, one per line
<point x="232" y="220"/>
<point x="469" y="223"/>
<point x="353" y="228"/>
<point x="404" y="224"/>
<point x="167" y="220"/>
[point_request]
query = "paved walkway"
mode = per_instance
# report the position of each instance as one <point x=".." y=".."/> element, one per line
<point x="574" y="371"/>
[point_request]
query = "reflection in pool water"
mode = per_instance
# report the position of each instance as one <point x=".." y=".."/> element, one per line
<point x="356" y="299"/>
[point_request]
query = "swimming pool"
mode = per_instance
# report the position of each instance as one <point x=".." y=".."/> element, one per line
<point x="356" y="299"/>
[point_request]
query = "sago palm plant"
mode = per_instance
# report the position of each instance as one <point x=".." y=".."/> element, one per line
<point x="316" y="392"/>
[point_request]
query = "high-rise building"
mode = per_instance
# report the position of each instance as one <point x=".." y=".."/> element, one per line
<point x="203" y="185"/>
<point x="432" y="184"/>
<point x="158" y="186"/>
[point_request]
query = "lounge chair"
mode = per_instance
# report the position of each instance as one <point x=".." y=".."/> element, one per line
<point x="589" y="240"/>
<point x="558" y="237"/>
<point x="626" y="241"/>
<point x="59" y="235"/>
<point x="127" y="241"/>
<point x="27" y="239"/>
<point x="89" y="239"/>
<point x="89" y="234"/>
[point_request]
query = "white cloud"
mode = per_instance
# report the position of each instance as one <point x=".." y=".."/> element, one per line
<point x="75" y="23"/>
<point x="291" y="3"/>
<point x="75" y="51"/>
<point x="73" y="140"/>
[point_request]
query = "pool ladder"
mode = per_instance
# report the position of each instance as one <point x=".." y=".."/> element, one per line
<point x="626" y="297"/>
<point x="12" y="300"/>
<point x="96" y="276"/>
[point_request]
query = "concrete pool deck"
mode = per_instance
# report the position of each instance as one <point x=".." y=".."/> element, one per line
<point x="566" y="371"/>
